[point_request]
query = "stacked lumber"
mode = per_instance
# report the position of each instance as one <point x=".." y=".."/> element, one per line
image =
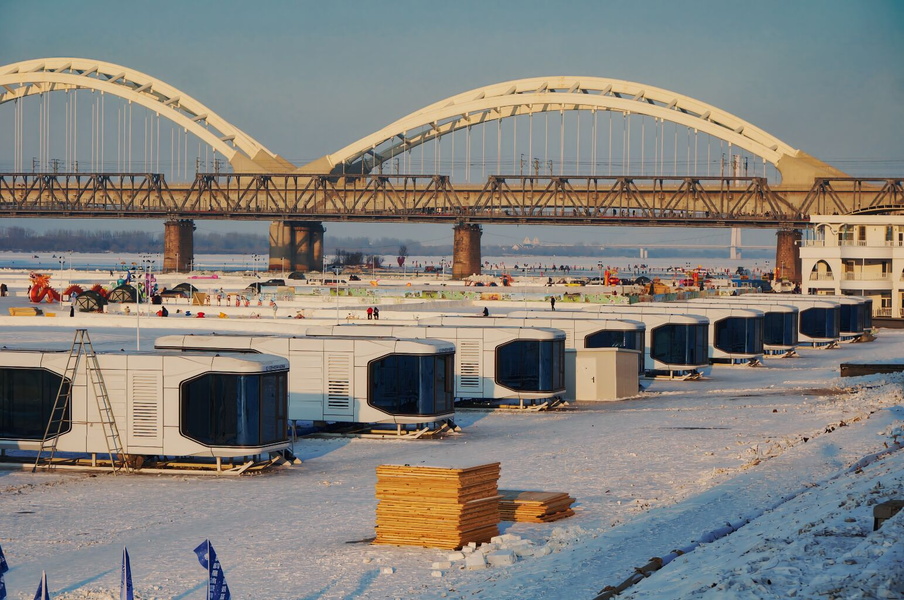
<point x="534" y="507"/>
<point x="24" y="311"/>
<point x="437" y="507"/>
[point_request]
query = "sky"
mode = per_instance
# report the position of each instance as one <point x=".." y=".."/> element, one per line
<point x="307" y="78"/>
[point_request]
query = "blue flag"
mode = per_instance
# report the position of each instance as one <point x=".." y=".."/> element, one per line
<point x="3" y="569"/>
<point x="43" y="593"/>
<point x="216" y="580"/>
<point x="125" y="585"/>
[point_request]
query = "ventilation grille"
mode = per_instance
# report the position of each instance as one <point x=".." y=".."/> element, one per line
<point x="469" y="355"/>
<point x="338" y="387"/>
<point x="145" y="406"/>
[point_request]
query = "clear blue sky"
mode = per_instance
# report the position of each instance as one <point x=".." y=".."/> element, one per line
<point x="306" y="78"/>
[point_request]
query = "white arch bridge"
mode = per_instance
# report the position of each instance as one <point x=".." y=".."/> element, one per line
<point x="657" y="158"/>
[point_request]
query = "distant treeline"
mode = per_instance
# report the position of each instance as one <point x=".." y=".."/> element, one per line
<point x="19" y="239"/>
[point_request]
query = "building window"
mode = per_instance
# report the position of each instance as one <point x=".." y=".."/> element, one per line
<point x="821" y="271"/>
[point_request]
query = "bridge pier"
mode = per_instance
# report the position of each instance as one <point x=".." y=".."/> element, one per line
<point x="178" y="245"/>
<point x="466" y="250"/>
<point x="787" y="255"/>
<point x="296" y="246"/>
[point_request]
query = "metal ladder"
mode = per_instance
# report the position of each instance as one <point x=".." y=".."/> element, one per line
<point x="81" y="344"/>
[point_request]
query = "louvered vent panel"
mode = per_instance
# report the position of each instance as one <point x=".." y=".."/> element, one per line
<point x="339" y="372"/>
<point x="469" y="355"/>
<point x="145" y="405"/>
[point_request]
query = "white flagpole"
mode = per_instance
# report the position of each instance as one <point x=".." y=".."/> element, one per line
<point x="209" y="569"/>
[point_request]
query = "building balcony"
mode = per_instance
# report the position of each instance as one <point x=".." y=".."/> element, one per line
<point x="849" y="243"/>
<point x="882" y="312"/>
<point x="867" y="276"/>
<point x="822" y="277"/>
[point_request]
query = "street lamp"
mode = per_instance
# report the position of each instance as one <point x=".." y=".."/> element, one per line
<point x="62" y="261"/>
<point x="336" y="271"/>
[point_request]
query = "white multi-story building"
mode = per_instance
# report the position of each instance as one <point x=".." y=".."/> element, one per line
<point x="858" y="255"/>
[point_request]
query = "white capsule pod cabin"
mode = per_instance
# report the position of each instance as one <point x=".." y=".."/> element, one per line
<point x="163" y="404"/>
<point x="819" y="322"/>
<point x="584" y="339"/>
<point x="491" y="363"/>
<point x="628" y="334"/>
<point x="856" y="313"/>
<point x="735" y="335"/>
<point x="781" y="322"/>
<point x="350" y="379"/>
<point x="675" y="345"/>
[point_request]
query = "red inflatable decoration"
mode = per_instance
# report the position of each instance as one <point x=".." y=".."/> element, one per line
<point x="42" y="292"/>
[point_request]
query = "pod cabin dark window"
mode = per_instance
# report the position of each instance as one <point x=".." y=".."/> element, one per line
<point x="531" y="365"/>
<point x="228" y="409"/>
<point x="608" y="338"/>
<point x="739" y="335"/>
<point x="26" y="402"/>
<point x="412" y="385"/>
<point x="681" y="344"/>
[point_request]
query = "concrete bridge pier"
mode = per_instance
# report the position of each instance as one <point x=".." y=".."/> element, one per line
<point x="787" y="255"/>
<point x="296" y="246"/>
<point x="466" y="250"/>
<point x="178" y="245"/>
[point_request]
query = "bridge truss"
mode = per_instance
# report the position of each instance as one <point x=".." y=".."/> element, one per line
<point x="660" y="201"/>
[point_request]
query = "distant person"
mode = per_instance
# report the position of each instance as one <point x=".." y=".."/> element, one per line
<point x="273" y="307"/>
<point x="370" y="313"/>
<point x="376" y="314"/>
<point x="3" y="290"/>
<point x="486" y="311"/>
<point x="552" y="302"/>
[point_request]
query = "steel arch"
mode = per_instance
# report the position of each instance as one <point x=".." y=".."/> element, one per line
<point x="555" y="94"/>
<point x="44" y="75"/>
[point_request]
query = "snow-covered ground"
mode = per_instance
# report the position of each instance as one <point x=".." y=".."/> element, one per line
<point x="790" y="455"/>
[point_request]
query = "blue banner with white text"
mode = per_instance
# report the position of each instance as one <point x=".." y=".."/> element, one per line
<point x="216" y="580"/>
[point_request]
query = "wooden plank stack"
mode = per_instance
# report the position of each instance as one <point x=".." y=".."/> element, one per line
<point x="534" y="507"/>
<point x="437" y="507"/>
